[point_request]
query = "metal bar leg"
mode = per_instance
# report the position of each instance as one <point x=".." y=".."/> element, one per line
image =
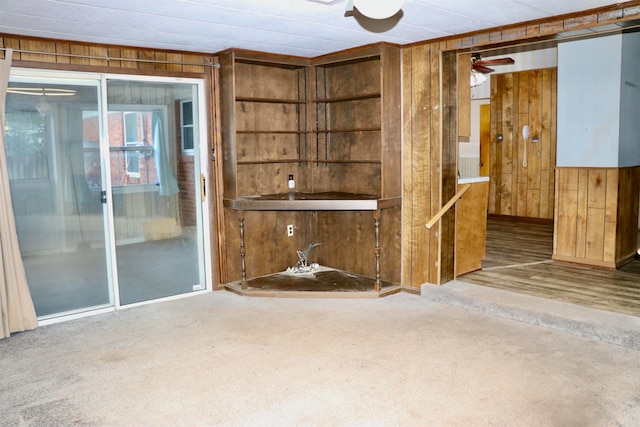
<point x="377" y="251"/>
<point x="242" y="251"/>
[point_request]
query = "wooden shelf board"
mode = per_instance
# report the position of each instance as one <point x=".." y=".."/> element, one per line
<point x="269" y="100"/>
<point x="267" y="162"/>
<point x="349" y="130"/>
<point x="368" y="162"/>
<point x="260" y="162"/>
<point x="348" y="98"/>
<point x="275" y="132"/>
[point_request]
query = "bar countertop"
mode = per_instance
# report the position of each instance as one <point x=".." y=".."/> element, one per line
<point x="323" y="201"/>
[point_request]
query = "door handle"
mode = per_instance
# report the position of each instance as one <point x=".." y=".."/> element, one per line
<point x="203" y="188"/>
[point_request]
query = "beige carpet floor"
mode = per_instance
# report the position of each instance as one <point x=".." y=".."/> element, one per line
<point x="224" y="359"/>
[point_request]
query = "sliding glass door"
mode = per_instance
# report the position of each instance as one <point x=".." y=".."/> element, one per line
<point x="105" y="184"/>
<point x="155" y="193"/>
<point x="54" y="173"/>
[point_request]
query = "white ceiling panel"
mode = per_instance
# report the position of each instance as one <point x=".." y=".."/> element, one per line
<point x="291" y="27"/>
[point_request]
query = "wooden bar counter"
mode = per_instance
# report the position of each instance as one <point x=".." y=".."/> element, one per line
<point x="320" y="201"/>
<point x="301" y="201"/>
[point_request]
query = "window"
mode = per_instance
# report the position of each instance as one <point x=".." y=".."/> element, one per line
<point x="186" y="126"/>
<point x="133" y="138"/>
<point x="26" y="145"/>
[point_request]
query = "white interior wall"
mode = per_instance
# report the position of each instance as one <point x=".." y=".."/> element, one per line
<point x="589" y="76"/>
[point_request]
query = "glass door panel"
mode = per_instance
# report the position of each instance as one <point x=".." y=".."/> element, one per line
<point x="155" y="193"/>
<point x="55" y="169"/>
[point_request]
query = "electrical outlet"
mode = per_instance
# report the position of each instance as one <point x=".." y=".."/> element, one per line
<point x="290" y="230"/>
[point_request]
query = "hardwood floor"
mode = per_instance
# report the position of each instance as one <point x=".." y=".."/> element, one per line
<point x="518" y="259"/>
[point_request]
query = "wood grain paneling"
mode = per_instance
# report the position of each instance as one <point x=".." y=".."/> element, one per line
<point x="449" y="161"/>
<point x="597" y="215"/>
<point x="60" y="54"/>
<point x="421" y="127"/>
<point x="421" y="181"/>
<point x="471" y="227"/>
<point x="519" y="99"/>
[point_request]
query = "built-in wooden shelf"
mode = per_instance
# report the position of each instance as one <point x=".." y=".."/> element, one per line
<point x="333" y="124"/>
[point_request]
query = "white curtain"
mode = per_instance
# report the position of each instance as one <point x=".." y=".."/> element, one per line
<point x="168" y="183"/>
<point x="16" y="307"/>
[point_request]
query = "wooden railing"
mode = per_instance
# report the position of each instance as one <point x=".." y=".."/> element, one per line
<point x="447" y="206"/>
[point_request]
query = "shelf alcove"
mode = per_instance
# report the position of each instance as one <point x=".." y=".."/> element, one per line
<point x="333" y="124"/>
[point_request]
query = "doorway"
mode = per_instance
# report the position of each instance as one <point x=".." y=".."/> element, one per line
<point x="105" y="183"/>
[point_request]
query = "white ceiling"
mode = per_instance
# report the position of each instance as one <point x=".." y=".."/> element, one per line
<point x="293" y="27"/>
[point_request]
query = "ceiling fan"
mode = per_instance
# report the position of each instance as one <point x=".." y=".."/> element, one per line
<point x="482" y="66"/>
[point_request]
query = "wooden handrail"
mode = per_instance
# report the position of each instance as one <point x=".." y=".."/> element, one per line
<point x="446" y="207"/>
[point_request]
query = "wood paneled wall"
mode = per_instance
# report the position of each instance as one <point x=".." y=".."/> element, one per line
<point x="422" y="143"/>
<point x="519" y="99"/>
<point x="83" y="56"/>
<point x="596" y="215"/>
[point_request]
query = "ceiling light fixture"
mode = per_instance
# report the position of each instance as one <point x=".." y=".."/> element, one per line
<point x="477" y="78"/>
<point x="376" y="9"/>
<point x="41" y="91"/>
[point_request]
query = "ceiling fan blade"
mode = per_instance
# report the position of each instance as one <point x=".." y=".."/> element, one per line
<point x="497" y="61"/>
<point x="482" y="69"/>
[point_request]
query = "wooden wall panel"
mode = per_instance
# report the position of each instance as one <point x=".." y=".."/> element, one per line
<point x="597" y="215"/>
<point x="519" y="99"/>
<point x="628" y="209"/>
<point x="348" y="242"/>
<point x="449" y="168"/>
<point x="268" y="249"/>
<point x="392" y="123"/>
<point x="55" y="54"/>
<point x="421" y="150"/>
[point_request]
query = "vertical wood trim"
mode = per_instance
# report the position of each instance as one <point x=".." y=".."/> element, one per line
<point x="409" y="220"/>
<point x="421" y="153"/>
<point x="553" y="145"/>
<point x="217" y="214"/>
<point x="435" y="149"/>
<point x="227" y="94"/>
<point x="464" y="96"/>
<point x="449" y="163"/>
<point x="391" y="124"/>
